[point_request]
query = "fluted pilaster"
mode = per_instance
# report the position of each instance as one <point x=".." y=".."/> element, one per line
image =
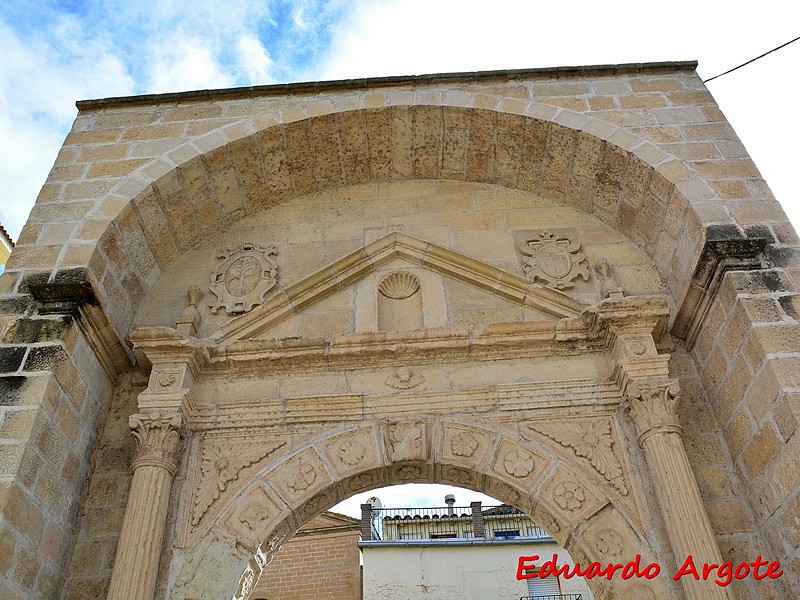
<point x="136" y="564"/>
<point x="653" y="408"/>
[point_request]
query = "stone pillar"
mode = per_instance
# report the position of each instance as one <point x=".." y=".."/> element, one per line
<point x="136" y="564"/>
<point x="653" y="408"/>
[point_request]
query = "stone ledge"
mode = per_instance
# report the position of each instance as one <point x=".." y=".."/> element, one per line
<point x="350" y="85"/>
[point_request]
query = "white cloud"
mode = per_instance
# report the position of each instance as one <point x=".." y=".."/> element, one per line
<point x="186" y="63"/>
<point x="254" y="61"/>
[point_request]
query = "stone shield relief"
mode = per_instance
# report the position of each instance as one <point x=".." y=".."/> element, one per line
<point x="243" y="278"/>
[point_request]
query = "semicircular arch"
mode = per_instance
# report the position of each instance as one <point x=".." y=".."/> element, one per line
<point x="211" y="182"/>
<point x="568" y="501"/>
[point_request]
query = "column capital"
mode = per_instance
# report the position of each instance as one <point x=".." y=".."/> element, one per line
<point x="653" y="406"/>
<point x="157" y="435"/>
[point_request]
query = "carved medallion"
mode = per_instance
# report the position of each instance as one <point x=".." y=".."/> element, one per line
<point x="568" y="496"/>
<point x="243" y="278"/>
<point x="301" y="477"/>
<point x="463" y="444"/>
<point x="221" y="464"/>
<point x="609" y="543"/>
<point x="590" y="440"/>
<point x="552" y="259"/>
<point x="518" y="464"/>
<point x="351" y="453"/>
<point x="404" y="379"/>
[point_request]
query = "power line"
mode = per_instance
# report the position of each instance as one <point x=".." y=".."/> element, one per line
<point x="752" y="60"/>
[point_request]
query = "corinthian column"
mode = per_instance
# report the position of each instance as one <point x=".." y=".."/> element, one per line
<point x="653" y="408"/>
<point x="136" y="565"/>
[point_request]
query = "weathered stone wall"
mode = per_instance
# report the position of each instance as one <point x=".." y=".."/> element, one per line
<point x="142" y="183"/>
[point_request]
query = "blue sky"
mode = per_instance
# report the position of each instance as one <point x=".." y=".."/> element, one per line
<point x="57" y="52"/>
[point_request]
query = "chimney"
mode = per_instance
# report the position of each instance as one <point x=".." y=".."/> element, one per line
<point x="450" y="500"/>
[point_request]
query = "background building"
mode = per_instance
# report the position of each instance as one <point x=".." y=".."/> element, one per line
<point x="467" y="552"/>
<point x="322" y="560"/>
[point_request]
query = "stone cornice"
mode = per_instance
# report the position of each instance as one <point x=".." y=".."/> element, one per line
<point x="344" y="85"/>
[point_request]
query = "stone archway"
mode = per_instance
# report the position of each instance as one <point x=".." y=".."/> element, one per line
<point x="626" y="181"/>
<point x="287" y="492"/>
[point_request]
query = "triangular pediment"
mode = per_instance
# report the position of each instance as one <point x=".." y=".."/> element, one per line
<point x="352" y="268"/>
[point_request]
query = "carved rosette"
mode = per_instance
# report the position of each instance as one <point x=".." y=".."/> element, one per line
<point x="157" y="436"/>
<point x="553" y="259"/>
<point x="243" y="278"/>
<point x="653" y="407"/>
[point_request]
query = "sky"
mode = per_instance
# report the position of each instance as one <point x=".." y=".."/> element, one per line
<point x="55" y="52"/>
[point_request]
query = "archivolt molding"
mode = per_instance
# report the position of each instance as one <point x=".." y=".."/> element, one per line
<point x="292" y="488"/>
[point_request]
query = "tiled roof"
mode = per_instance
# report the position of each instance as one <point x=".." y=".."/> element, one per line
<point x="5" y="235"/>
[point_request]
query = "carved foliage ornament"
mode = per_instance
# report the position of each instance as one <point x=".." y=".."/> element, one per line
<point x="221" y="464"/>
<point x="157" y="436"/>
<point x="590" y="440"/>
<point x="243" y="278"/>
<point x="553" y="259"/>
<point x="653" y="407"/>
<point x="463" y="444"/>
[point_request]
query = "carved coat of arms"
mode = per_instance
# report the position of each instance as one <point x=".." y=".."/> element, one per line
<point x="553" y="259"/>
<point x="243" y="278"/>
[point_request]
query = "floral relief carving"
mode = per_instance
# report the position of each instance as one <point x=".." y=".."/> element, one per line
<point x="609" y="543"/>
<point x="553" y="260"/>
<point x="504" y="492"/>
<point x="409" y="472"/>
<point x="405" y="379"/>
<point x="351" y="453"/>
<point x="463" y="444"/>
<point x="568" y="496"/>
<point x="590" y="440"/>
<point x="221" y="463"/>
<point x="243" y="278"/>
<point x="254" y="513"/>
<point x="166" y="379"/>
<point x="518" y="464"/>
<point x="457" y="475"/>
<point x="302" y="476"/>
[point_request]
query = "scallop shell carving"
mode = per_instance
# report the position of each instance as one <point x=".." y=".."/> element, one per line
<point x="399" y="285"/>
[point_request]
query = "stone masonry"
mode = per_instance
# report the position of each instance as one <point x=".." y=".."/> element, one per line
<point x="681" y="267"/>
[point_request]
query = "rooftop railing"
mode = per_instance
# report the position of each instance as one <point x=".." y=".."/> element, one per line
<point x="501" y="522"/>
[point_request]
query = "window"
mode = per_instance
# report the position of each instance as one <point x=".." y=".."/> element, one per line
<point x="510" y="533"/>
<point x="547" y="586"/>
